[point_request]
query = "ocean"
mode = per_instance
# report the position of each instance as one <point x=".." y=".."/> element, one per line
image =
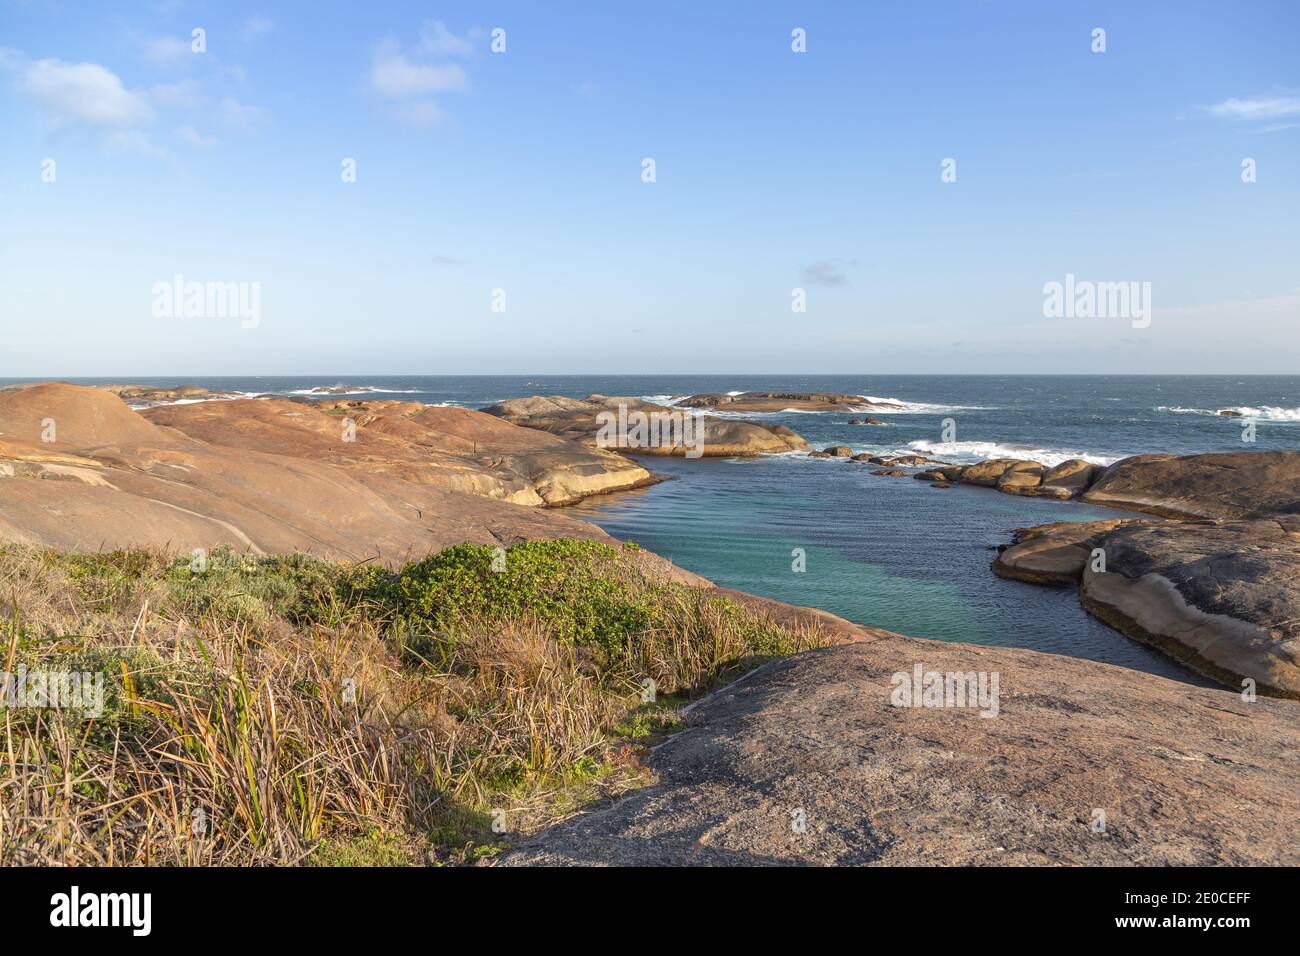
<point x="889" y="552"/>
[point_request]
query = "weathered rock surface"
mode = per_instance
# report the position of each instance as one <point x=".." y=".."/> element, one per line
<point x="838" y="451"/>
<point x="1020" y="481"/>
<point x="454" y="448"/>
<point x="948" y="473"/>
<point x="1069" y="479"/>
<point x="577" y="419"/>
<point x="112" y="478"/>
<point x="989" y="472"/>
<point x="780" y="401"/>
<point x="1247" y="484"/>
<point x="1223" y="597"/>
<point x="1183" y="775"/>
<point x="1053" y="554"/>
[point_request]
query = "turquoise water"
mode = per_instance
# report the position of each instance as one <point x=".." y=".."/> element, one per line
<point x="891" y="552"/>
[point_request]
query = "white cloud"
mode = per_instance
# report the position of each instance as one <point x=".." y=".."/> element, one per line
<point x="84" y="92"/>
<point x="192" y="137"/>
<point x="394" y="76"/>
<point x="167" y="51"/>
<point x="437" y="40"/>
<point x="1257" y="108"/>
<point x="134" y="141"/>
<point x="184" y="94"/>
<point x="239" y="114"/>
<point x="257" y="26"/>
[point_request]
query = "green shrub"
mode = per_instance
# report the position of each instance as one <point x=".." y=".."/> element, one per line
<point x="586" y="593"/>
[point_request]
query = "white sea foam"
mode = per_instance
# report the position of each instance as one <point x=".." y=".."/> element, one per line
<point x="352" y="390"/>
<point x="1264" y="413"/>
<point x="223" y="397"/>
<point x="966" y="452"/>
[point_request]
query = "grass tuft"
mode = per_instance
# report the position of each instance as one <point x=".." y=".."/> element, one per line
<point x="287" y="710"/>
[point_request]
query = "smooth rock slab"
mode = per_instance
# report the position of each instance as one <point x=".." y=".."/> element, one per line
<point x="1184" y="775"/>
<point x="1223" y="597"/>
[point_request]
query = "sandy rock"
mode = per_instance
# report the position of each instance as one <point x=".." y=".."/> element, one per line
<point x="115" y="479"/>
<point x="453" y="448"/>
<point x="838" y="451"/>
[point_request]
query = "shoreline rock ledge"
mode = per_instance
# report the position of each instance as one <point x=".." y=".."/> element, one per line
<point x="806" y="762"/>
<point x="1217" y="587"/>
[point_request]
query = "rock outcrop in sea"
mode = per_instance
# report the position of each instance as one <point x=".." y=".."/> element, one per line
<point x="1217" y="587"/>
<point x="579" y="419"/>
<point x="798" y="401"/>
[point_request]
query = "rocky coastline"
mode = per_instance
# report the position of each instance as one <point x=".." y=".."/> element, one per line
<point x="1210" y="578"/>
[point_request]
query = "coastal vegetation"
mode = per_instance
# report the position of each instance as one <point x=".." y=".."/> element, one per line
<point x="287" y="710"/>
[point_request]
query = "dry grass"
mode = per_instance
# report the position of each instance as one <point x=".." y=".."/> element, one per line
<point x="282" y="713"/>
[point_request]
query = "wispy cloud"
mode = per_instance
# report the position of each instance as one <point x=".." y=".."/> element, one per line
<point x="828" y="272"/>
<point x="83" y="93"/>
<point x="235" y="113"/>
<point x="192" y="137"/>
<point x="437" y="40"/>
<point x="412" y="80"/>
<point x="396" y="77"/>
<point x="257" y="27"/>
<point x="1257" y="108"/>
<point x="168" y="50"/>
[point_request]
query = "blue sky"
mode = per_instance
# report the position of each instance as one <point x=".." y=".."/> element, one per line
<point x="775" y="170"/>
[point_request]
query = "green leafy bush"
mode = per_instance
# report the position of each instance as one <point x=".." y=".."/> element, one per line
<point x="585" y="592"/>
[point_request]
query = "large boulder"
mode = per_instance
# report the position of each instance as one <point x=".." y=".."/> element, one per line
<point x="1224" y="597"/>
<point x="989" y="472"/>
<point x="1053" y="554"/>
<point x="1069" y="479"/>
<point x="1020" y="481"/>
<point x="1248" y="484"/>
